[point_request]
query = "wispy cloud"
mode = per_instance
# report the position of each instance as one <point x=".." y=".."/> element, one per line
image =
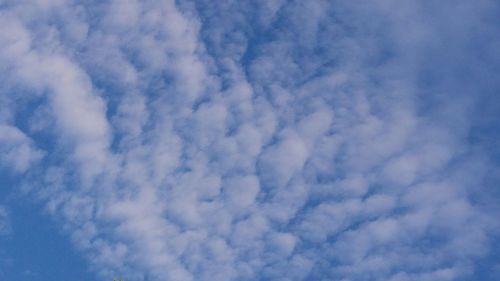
<point x="5" y="227"/>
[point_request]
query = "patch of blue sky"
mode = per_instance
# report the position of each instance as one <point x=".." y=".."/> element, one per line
<point x="35" y="249"/>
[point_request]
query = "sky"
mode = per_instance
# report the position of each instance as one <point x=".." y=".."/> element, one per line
<point x="185" y="140"/>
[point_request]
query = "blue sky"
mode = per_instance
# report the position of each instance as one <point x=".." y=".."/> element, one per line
<point x="281" y="140"/>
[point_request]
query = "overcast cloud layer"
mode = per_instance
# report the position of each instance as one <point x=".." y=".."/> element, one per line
<point x="257" y="140"/>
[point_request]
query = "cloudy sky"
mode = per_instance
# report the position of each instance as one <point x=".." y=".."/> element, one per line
<point x="186" y="140"/>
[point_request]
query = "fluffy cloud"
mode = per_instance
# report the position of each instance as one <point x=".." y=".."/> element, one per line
<point x="266" y="140"/>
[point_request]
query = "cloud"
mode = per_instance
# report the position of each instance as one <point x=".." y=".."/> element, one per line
<point x="5" y="227"/>
<point x="18" y="152"/>
<point x="191" y="140"/>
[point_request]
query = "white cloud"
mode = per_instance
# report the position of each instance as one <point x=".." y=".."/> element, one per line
<point x="17" y="150"/>
<point x="233" y="141"/>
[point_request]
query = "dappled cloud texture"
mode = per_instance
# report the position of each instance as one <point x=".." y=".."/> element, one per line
<point x="257" y="140"/>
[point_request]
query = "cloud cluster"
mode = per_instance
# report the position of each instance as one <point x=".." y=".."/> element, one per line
<point x="253" y="140"/>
